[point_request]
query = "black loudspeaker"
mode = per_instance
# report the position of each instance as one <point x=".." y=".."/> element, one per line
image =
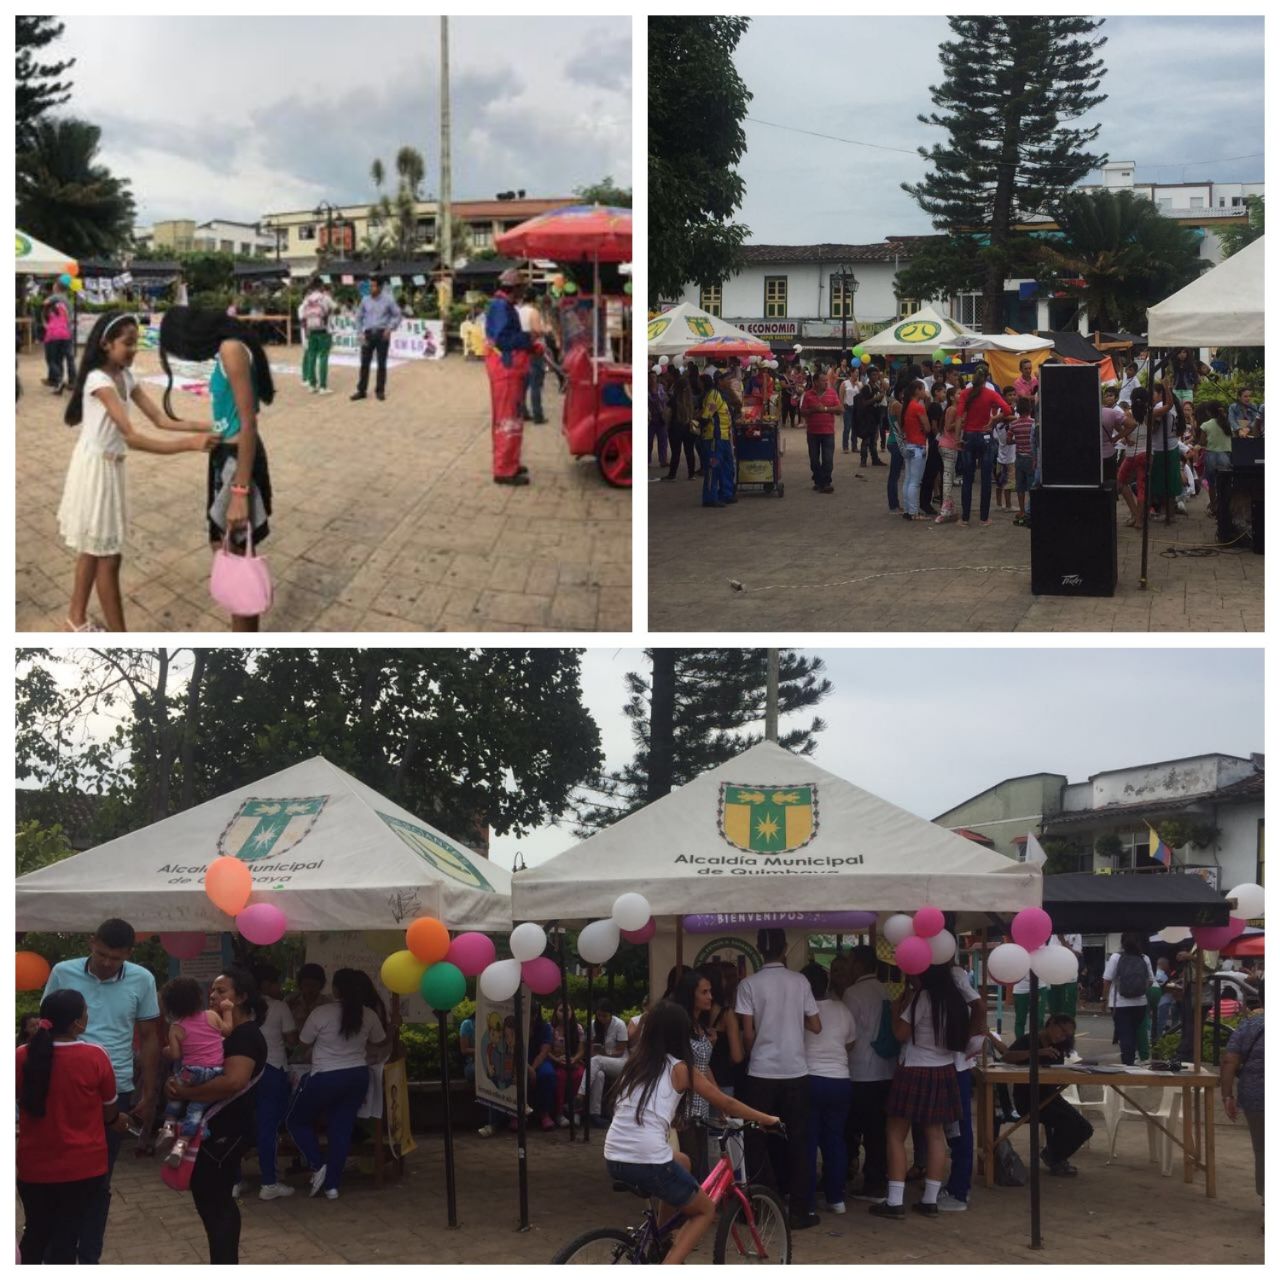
<point x="1070" y="425"/>
<point x="1238" y="495"/>
<point x="1073" y="542"/>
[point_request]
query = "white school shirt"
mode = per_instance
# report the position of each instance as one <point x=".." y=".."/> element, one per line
<point x="274" y="1027"/>
<point x="849" y="392"/>
<point x="646" y="1142"/>
<point x="779" y="1001"/>
<point x="827" y="1052"/>
<point x="865" y="1000"/>
<point x="1115" y="999"/>
<point x="614" y="1035"/>
<point x="330" y="1049"/>
<point x="923" y="1049"/>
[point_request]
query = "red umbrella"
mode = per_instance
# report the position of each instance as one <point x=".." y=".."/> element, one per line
<point x="1247" y="944"/>
<point x="578" y="233"/>
<point x="729" y="346"/>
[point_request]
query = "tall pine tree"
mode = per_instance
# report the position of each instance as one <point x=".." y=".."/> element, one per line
<point x="1011" y="87"/>
<point x="689" y="715"/>
<point x="39" y="87"/>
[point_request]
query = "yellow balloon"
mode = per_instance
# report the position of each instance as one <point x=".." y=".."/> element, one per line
<point x="402" y="972"/>
<point x="77" y="285"/>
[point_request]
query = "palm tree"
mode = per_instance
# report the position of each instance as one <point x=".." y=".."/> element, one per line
<point x="1126" y="255"/>
<point x="66" y="198"/>
<point x="375" y="246"/>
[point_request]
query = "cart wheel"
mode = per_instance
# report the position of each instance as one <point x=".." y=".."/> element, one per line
<point x="613" y="457"/>
<point x="778" y="491"/>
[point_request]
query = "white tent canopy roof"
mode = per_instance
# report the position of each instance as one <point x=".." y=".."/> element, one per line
<point x="771" y="831"/>
<point x="921" y="333"/>
<point x="33" y="257"/>
<point x="330" y="852"/>
<point x="673" y="332"/>
<point x="1224" y="307"/>
<point x="1014" y="343"/>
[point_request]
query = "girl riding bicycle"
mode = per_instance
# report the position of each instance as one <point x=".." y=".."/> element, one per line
<point x="653" y="1087"/>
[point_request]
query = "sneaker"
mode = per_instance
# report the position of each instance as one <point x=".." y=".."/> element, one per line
<point x="547" y="1123"/>
<point x="331" y="1194"/>
<point x="317" y="1180"/>
<point x="174" y="1158"/>
<point x="838" y="1207"/>
<point x="237" y="1191"/>
<point x="324" y="391"/>
<point x="947" y="1203"/>
<point x="803" y="1221"/>
<point x="516" y="479"/>
<point x="1063" y="1170"/>
<point x="883" y="1209"/>
<point x="274" y="1191"/>
<point x="382" y="395"/>
<point x="487" y="1130"/>
<point x="928" y="1210"/>
<point x="360" y="395"/>
<point x="562" y="1122"/>
<point x="312" y="389"/>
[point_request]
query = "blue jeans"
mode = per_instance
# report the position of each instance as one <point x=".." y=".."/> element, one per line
<point x="977" y="454"/>
<point x="272" y="1101"/>
<point x="895" y="473"/>
<point x="829" y="1102"/>
<point x="543" y="1090"/>
<point x="189" y="1116"/>
<point x="533" y="386"/>
<point x="337" y="1095"/>
<point x="914" y="456"/>
<point x="849" y="437"/>
<point x="961" y="1180"/>
<point x="1127" y="1019"/>
<point x="94" y="1227"/>
<point x="708" y="454"/>
<point x="1164" y="1014"/>
<point x="728" y="470"/>
<point x="822" y="454"/>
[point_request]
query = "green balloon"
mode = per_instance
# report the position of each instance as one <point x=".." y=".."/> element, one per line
<point x="443" y="986"/>
<point x="859" y="352"/>
<point x="939" y="357"/>
<point x="570" y="287"/>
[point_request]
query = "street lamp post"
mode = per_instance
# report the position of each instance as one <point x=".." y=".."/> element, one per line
<point x="848" y="287"/>
<point x="325" y="209"/>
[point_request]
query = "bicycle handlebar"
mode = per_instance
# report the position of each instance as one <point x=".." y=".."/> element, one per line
<point x="723" y="1131"/>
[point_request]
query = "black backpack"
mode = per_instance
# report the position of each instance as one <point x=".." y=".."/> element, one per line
<point x="1131" y="976"/>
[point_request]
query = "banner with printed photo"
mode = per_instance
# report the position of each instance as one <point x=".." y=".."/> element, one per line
<point x="395" y="1108"/>
<point x="410" y="339"/>
<point x="496" y="1050"/>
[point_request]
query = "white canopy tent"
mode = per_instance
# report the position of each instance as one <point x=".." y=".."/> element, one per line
<point x="330" y="852"/>
<point x="1223" y="308"/>
<point x="673" y="332"/>
<point x="1013" y="343"/>
<point x="771" y="831"/>
<point x="920" y="334"/>
<point x="34" y="257"/>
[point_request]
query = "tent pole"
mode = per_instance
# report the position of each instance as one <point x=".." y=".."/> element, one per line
<point x="1033" y="1125"/>
<point x="982" y="983"/>
<point x="522" y="1094"/>
<point x="679" y="944"/>
<point x="586" y="1049"/>
<point x="570" y="1020"/>
<point x="451" y="1190"/>
<point x="1146" y="499"/>
<point x="1198" y="1055"/>
<point x="1217" y="1022"/>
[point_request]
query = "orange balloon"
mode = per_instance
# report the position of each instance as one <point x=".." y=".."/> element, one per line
<point x="428" y="939"/>
<point x="73" y="268"/>
<point x="228" y="884"/>
<point x="32" y="970"/>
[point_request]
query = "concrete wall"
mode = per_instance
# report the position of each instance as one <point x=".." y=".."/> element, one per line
<point x="1009" y="810"/>
<point x="1200" y="775"/>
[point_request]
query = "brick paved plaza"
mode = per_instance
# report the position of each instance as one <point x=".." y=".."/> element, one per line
<point x="842" y="562"/>
<point x="386" y="518"/>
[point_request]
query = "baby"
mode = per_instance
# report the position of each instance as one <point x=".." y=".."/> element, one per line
<point x="195" y="1049"/>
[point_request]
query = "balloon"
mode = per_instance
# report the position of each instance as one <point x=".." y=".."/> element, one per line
<point x="939" y="356"/>
<point x="443" y="985"/>
<point x="262" y="924"/>
<point x="500" y="980"/>
<point x="1008" y="962"/>
<point x="182" y="946"/>
<point x="598" y="941"/>
<point x="912" y="955"/>
<point x="864" y="358"/>
<point x="928" y="921"/>
<point x="942" y="947"/>
<point x="1214" y="937"/>
<point x="569" y="287"/>
<point x="32" y="970"/>
<point x="1250" y="901"/>
<point x="402" y="972"/>
<point x="896" y="928"/>
<point x="65" y="280"/>
<point x="472" y="953"/>
<point x="859" y="352"/>
<point x="428" y="940"/>
<point x="541" y="975"/>
<point x="228" y="884"/>
<point x="383" y="941"/>
<point x="77" y="285"/>
<point x="956" y="360"/>
<point x="528" y="941"/>
<point x="1055" y="965"/>
<point x="73" y="268"/>
<point x="641" y="935"/>
<point x="1031" y="928"/>
<point x="631" y="911"/>
<point x="664" y="360"/>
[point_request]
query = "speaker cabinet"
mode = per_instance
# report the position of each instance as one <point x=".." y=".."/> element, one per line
<point x="1073" y="542"/>
<point x="1070" y="425"/>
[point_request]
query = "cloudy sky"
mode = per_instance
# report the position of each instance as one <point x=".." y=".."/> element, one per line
<point x="898" y="731"/>
<point x="1182" y="90"/>
<point x="237" y="117"/>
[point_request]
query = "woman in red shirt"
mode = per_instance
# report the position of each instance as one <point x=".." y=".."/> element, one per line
<point x="818" y="408"/>
<point x="915" y="446"/>
<point x="66" y="1097"/>
<point x="976" y="407"/>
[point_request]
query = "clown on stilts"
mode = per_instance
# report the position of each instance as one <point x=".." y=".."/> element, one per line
<point x="508" y="352"/>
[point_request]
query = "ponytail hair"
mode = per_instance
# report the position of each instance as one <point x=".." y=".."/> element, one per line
<point x="194" y="333"/>
<point x="58" y="1013"/>
<point x="95" y="357"/>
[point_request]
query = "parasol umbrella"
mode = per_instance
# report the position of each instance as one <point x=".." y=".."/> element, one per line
<point x="1247" y="945"/>
<point x="730" y="346"/>
<point x="36" y="258"/>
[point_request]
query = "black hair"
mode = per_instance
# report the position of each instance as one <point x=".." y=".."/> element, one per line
<point x="771" y="943"/>
<point x="60" y="1009"/>
<point x="673" y="977"/>
<point x="23" y="1037"/>
<point x="245" y="986"/>
<point x="604" y="1006"/>
<point x="947" y="1007"/>
<point x="819" y="980"/>
<point x="569" y="1022"/>
<point x="193" y="333"/>
<point x="94" y="358"/>
<point x="864" y="955"/>
<point x="264" y="973"/>
<point x="666" y="1032"/>
<point x="1024" y="406"/>
<point x="686" y="988"/>
<point x="312" y="971"/>
<point x="115" y="934"/>
<point x="350" y="994"/>
<point x="711" y="971"/>
<point x="1131" y="944"/>
<point x="182" y="998"/>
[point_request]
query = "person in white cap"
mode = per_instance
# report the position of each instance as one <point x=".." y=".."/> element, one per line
<point x="507" y="357"/>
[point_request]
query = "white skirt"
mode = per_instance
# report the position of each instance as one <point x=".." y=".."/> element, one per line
<point x="92" y="517"/>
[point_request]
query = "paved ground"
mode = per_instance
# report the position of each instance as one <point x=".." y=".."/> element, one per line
<point x="1125" y="1213"/>
<point x="386" y="517"/>
<point x="813" y="562"/>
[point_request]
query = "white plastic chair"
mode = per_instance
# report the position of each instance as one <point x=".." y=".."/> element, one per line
<point x="1167" y="1108"/>
<point x="1071" y="1094"/>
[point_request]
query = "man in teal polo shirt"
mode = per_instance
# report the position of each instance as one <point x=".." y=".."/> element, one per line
<point x="120" y="997"/>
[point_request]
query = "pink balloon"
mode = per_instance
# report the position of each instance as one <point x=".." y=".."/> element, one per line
<point x="473" y="953"/>
<point x="912" y="955"/>
<point x="541" y="975"/>
<point x="1031" y="928"/>
<point x="928" y="921"/>
<point x="1213" y="937"/>
<point x="262" y="924"/>
<point x="643" y="934"/>
<point x="182" y="946"/>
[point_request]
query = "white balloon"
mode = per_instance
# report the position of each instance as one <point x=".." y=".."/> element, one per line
<point x="1250" y="901"/>
<point x="1008" y="962"/>
<point x="896" y="928"/>
<point x="631" y="911"/>
<point x="500" y="980"/>
<point x="664" y="359"/>
<point x="942" y="947"/>
<point x="1054" y="965"/>
<point x="598" y="941"/>
<point x="528" y="941"/>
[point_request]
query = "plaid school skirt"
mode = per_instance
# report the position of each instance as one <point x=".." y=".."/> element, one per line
<point x="925" y="1095"/>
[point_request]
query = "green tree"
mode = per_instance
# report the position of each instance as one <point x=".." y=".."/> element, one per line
<point x="697" y="102"/>
<point x="1251" y="228"/>
<point x="399" y="211"/>
<point x="40" y="87"/>
<point x="689" y="714"/>
<point x="38" y="845"/>
<point x="604" y="192"/>
<point x="1010" y="87"/>
<point x="66" y="197"/>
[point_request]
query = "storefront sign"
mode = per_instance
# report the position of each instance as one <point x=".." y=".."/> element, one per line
<point x="769" y="330"/>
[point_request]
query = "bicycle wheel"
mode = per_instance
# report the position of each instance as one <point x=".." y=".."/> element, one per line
<point x="603" y="1247"/>
<point x="735" y="1240"/>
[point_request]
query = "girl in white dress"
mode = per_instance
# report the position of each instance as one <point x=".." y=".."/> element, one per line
<point x="92" y="516"/>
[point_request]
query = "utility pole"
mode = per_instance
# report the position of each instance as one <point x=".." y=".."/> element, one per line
<point x="771" y="699"/>
<point x="446" y="177"/>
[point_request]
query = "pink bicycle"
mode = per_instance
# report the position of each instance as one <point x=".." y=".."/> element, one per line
<point x="752" y="1227"/>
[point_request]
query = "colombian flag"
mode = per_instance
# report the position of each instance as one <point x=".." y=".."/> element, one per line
<point x="1157" y="849"/>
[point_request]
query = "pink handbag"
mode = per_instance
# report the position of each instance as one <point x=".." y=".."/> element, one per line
<point x="241" y="584"/>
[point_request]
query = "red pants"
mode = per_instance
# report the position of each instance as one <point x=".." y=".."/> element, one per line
<point x="567" y="1084"/>
<point x="506" y="391"/>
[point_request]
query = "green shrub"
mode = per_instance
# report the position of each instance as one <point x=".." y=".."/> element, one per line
<point x="1167" y="1046"/>
<point x="1226" y="388"/>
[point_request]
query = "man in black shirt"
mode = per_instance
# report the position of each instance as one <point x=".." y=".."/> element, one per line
<point x="1066" y="1130"/>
